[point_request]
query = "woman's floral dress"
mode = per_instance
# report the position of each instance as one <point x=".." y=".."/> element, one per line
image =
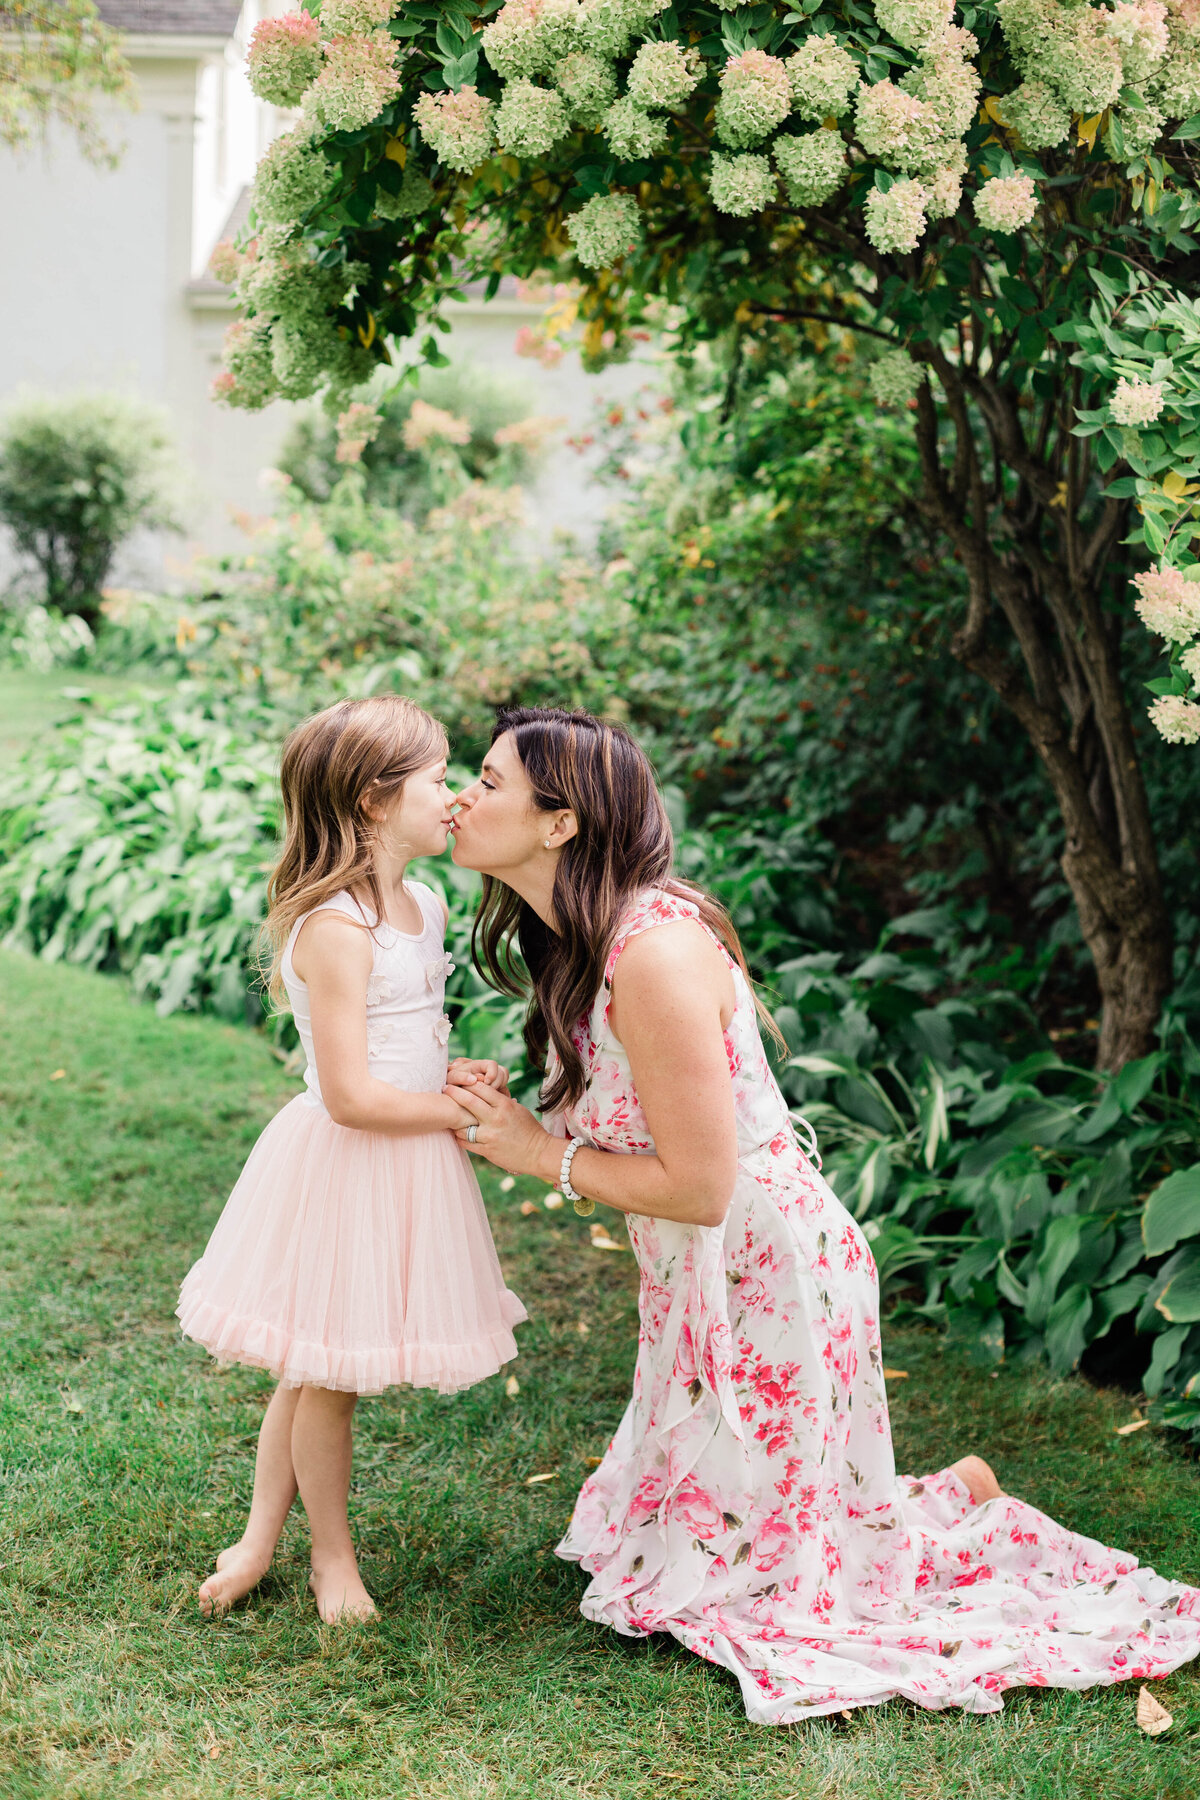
<point x="749" y="1503"/>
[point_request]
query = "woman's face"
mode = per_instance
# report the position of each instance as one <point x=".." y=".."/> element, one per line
<point x="498" y="829"/>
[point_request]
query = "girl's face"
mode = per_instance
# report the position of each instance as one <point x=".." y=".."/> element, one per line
<point x="418" y="820"/>
<point x="498" y="829"/>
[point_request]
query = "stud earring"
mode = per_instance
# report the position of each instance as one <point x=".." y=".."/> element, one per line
<point x="546" y="844"/>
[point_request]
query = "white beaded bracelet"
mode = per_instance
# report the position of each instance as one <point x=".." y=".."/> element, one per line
<point x="582" y="1206"/>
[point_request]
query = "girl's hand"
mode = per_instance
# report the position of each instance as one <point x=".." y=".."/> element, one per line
<point x="509" y="1135"/>
<point x="466" y="1071"/>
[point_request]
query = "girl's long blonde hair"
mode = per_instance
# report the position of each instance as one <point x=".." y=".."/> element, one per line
<point x="333" y="764"/>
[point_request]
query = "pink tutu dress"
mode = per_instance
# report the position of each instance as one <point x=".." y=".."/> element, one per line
<point x="352" y="1259"/>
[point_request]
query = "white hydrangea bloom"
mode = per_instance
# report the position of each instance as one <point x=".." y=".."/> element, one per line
<point x="664" y="74"/>
<point x="813" y="165"/>
<point x="356" y="16"/>
<point x="741" y="185"/>
<point x="1140" y="28"/>
<point x="756" y="96"/>
<point x="896" y="127"/>
<point x="1005" y="203"/>
<point x="948" y="82"/>
<point x="604" y="229"/>
<point x="914" y="23"/>
<point x="530" y="119"/>
<point x="894" y="378"/>
<point x="632" y="132"/>
<point x="1136" y="402"/>
<point x="944" y="194"/>
<point x="823" y="77"/>
<point x="896" y="219"/>
<point x="1037" y="115"/>
<point x="1141" y="128"/>
<point x="587" y="83"/>
<point x="1175" y="719"/>
<point x="1190" y="662"/>
<point x="1069" y="47"/>
<point x="1168" y="604"/>
<point x="459" y="128"/>
<point x="527" y="37"/>
<point x="608" y="26"/>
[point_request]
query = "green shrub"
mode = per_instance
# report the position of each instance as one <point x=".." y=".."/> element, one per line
<point x="78" y="474"/>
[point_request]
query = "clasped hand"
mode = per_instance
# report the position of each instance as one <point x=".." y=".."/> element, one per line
<point x="508" y="1134"/>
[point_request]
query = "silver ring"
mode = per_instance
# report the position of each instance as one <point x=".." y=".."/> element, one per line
<point x="472" y="1133"/>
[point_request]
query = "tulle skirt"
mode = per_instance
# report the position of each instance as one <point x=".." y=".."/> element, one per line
<point x="353" y="1260"/>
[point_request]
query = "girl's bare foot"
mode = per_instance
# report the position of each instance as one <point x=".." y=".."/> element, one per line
<point x="339" y="1592"/>
<point x="979" y="1478"/>
<point x="239" y="1569"/>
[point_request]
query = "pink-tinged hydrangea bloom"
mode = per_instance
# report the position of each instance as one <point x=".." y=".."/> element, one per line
<point x="948" y="81"/>
<point x="1037" y="115"/>
<point x="896" y="220"/>
<point x="1176" y="719"/>
<point x="225" y="262"/>
<point x="896" y="127"/>
<point x="290" y="179"/>
<point x="632" y="133"/>
<point x="604" y="229"/>
<point x="664" y="74"/>
<point x="741" y="185"/>
<point x="1066" y="46"/>
<point x="536" y="345"/>
<point x="530" y="119"/>
<point x="1140" y="28"/>
<point x="895" y="378"/>
<point x="944" y="193"/>
<point x="588" y="84"/>
<point x="357" y="81"/>
<point x="607" y="26"/>
<point x="459" y="128"/>
<point x="1190" y="663"/>
<point x="914" y="23"/>
<point x="358" y="426"/>
<point x="427" y="425"/>
<point x="284" y="57"/>
<point x="813" y="165"/>
<point x="756" y="96"/>
<point x="342" y="18"/>
<point x="1136" y="402"/>
<point x="527" y="37"/>
<point x="1006" y="203"/>
<point x="1168" y="604"/>
<point x="823" y="77"/>
<point x="247" y="379"/>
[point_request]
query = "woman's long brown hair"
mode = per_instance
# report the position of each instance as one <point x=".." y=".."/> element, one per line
<point x="623" y="845"/>
<point x="333" y="764"/>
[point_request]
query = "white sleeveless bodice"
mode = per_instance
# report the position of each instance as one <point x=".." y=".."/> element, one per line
<point x="407" y="1028"/>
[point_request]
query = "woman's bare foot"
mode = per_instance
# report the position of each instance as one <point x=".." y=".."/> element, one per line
<point x="979" y="1478"/>
<point x="239" y="1569"/>
<point x="339" y="1592"/>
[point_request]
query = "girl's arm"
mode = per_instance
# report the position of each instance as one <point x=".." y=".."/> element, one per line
<point x="672" y="998"/>
<point x="332" y="956"/>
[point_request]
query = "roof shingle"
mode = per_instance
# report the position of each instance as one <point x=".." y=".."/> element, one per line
<point x="178" y="18"/>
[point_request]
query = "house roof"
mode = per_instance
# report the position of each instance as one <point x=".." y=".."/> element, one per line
<point x="175" y="18"/>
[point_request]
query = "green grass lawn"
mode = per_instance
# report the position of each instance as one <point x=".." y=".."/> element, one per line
<point x="32" y="700"/>
<point x="127" y="1460"/>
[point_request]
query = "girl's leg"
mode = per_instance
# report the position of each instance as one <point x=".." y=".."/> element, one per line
<point x="321" y="1454"/>
<point x="979" y="1477"/>
<point x="244" y="1564"/>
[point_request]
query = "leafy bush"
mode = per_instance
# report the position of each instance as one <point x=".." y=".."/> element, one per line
<point x="77" y="476"/>
<point x="398" y="476"/>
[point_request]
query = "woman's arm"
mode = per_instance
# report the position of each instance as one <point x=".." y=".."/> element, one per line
<point x="672" y="997"/>
<point x="334" y="962"/>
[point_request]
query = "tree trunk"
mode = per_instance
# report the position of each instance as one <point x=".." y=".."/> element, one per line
<point x="1035" y="587"/>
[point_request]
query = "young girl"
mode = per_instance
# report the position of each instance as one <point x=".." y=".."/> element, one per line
<point x="354" y="1253"/>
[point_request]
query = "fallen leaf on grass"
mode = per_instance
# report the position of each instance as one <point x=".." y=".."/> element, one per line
<point x="71" y="1403"/>
<point x="602" y="1241"/>
<point x="1133" y="1425"/>
<point x="527" y="1209"/>
<point x="553" y="1201"/>
<point x="895" y="1374"/>
<point x="214" y="1753"/>
<point x="512" y="1387"/>
<point x="583" y="1328"/>
<point x="550" y="1475"/>
<point x="1151" y="1717"/>
<point x="593" y="1462"/>
<point x="58" y="1074"/>
<point x="508" y="1184"/>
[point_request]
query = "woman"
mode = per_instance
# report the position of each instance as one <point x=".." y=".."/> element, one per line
<point x="748" y="1503"/>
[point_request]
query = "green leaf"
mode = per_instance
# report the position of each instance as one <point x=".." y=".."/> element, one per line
<point x="1180" y="1299"/>
<point x="1066" y="1328"/>
<point x="1172" y="1211"/>
<point x="1188" y="130"/>
<point x="1168" y="1347"/>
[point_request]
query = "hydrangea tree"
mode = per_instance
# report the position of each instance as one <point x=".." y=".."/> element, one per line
<point x="57" y="59"/>
<point x="1000" y="200"/>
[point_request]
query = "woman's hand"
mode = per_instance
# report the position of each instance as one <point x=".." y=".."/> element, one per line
<point x="466" y="1071"/>
<point x="509" y="1135"/>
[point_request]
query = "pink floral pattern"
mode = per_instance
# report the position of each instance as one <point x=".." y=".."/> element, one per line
<point x="748" y="1502"/>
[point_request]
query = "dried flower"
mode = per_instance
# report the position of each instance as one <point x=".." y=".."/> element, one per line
<point x="604" y="229"/>
<point x="284" y="57"/>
